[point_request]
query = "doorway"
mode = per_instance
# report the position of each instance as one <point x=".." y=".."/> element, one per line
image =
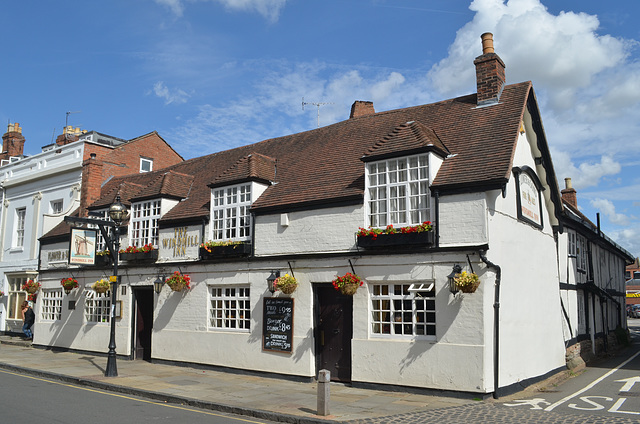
<point x="143" y="322"/>
<point x="333" y="315"/>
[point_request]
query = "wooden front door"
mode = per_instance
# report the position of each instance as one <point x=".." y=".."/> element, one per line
<point x="143" y="322"/>
<point x="333" y="332"/>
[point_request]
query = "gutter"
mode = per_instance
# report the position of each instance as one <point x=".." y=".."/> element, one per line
<point x="496" y="322"/>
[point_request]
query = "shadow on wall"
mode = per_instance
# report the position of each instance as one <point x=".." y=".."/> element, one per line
<point x="444" y="321"/>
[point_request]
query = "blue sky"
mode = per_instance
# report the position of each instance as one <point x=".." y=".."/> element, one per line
<point x="214" y="74"/>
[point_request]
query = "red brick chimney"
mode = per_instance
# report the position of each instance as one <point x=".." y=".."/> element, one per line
<point x="361" y="108"/>
<point x="12" y="142"/>
<point x="490" y="75"/>
<point x="69" y="135"/>
<point x="91" y="183"/>
<point x="569" y="193"/>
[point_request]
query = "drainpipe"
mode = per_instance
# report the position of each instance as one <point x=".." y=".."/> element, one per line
<point x="436" y="195"/>
<point x="496" y="323"/>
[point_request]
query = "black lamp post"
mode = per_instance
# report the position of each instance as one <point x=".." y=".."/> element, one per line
<point x="118" y="213"/>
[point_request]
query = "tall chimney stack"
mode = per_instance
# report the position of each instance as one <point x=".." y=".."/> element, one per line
<point x="569" y="193"/>
<point x="12" y="142"/>
<point x="490" y="74"/>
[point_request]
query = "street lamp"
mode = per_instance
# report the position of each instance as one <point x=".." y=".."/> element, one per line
<point x="118" y="213"/>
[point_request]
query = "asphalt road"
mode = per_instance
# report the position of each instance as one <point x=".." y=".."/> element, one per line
<point x="610" y="388"/>
<point x="34" y="400"/>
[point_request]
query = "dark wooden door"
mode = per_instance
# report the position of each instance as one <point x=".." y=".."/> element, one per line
<point x="144" y="322"/>
<point x="334" y="330"/>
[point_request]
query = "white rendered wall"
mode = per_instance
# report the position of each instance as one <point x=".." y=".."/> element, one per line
<point x="530" y="311"/>
<point x="315" y="231"/>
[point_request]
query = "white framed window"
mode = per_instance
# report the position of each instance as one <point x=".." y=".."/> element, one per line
<point x="144" y="223"/>
<point x="55" y="206"/>
<point x="229" y="308"/>
<point x="582" y="252"/>
<point x="230" y="217"/>
<point x="51" y="306"/>
<point x="102" y="214"/>
<point x="396" y="311"/>
<point x="397" y="191"/>
<point x="571" y="245"/>
<point x="21" y="214"/>
<point x="146" y="165"/>
<point x="97" y="307"/>
<point x="16" y="296"/>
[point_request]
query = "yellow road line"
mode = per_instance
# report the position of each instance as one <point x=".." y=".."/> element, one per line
<point x="132" y="398"/>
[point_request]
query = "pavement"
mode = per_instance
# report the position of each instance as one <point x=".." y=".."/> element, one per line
<point x="265" y="397"/>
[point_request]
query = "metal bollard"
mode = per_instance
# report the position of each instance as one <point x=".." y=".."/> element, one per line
<point x="324" y="378"/>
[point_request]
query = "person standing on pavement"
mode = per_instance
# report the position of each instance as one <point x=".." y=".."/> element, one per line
<point x="29" y="317"/>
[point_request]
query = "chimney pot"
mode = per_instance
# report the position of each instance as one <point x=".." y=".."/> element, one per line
<point x="569" y="194"/>
<point x="487" y="43"/>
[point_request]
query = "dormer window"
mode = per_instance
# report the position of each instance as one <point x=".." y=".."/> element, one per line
<point x="397" y="191"/>
<point x="144" y="222"/>
<point x="230" y="218"/>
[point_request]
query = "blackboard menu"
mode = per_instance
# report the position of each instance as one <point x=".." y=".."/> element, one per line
<point x="277" y="327"/>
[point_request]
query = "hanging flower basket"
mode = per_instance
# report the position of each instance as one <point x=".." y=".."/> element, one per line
<point x="1" y="293"/>
<point x="69" y="284"/>
<point x="178" y="282"/>
<point x="467" y="282"/>
<point x="101" y="286"/>
<point x="287" y="284"/>
<point x="31" y="286"/>
<point x="347" y="284"/>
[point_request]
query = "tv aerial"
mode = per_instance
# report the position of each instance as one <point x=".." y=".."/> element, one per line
<point x="316" y="105"/>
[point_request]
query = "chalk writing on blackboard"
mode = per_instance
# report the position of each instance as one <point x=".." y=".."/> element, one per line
<point x="277" y="329"/>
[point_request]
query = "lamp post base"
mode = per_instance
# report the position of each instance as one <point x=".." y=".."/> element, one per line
<point x="112" y="368"/>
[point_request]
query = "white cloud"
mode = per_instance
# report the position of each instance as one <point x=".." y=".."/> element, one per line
<point x="176" y="6"/>
<point x="587" y="174"/>
<point x="170" y="96"/>
<point x="270" y="9"/>
<point x="609" y="210"/>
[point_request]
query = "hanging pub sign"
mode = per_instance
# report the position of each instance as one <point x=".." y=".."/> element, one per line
<point x="277" y="324"/>
<point x="529" y="199"/>
<point x="82" y="247"/>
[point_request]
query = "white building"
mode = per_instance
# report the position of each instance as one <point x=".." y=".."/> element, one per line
<point x="477" y="167"/>
<point x="38" y="191"/>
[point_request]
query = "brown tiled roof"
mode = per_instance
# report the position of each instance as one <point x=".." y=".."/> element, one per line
<point x="255" y="167"/>
<point x="323" y="166"/>
<point x="168" y="185"/>
<point x="407" y="138"/>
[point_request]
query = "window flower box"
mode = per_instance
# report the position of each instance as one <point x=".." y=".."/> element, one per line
<point x="149" y="256"/>
<point x="217" y="250"/>
<point x="103" y="260"/>
<point x="418" y="235"/>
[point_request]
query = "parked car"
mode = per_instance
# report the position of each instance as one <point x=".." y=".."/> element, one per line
<point x="635" y="311"/>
